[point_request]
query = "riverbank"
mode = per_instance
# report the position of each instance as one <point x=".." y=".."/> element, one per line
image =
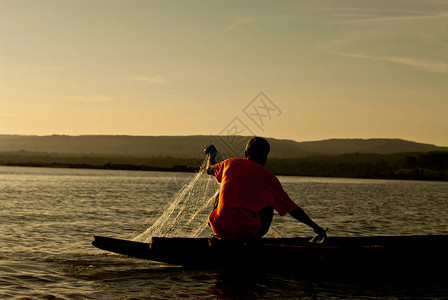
<point x="405" y="166"/>
<point x="107" y="166"/>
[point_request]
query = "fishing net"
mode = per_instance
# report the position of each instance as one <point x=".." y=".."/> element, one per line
<point x="187" y="213"/>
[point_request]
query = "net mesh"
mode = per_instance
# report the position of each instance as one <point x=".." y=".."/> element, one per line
<point x="186" y="215"/>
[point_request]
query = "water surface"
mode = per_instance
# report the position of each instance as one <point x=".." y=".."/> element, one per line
<point x="49" y="215"/>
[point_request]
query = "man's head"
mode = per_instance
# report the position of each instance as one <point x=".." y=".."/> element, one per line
<point x="257" y="150"/>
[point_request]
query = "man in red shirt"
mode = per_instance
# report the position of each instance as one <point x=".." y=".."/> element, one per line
<point x="249" y="194"/>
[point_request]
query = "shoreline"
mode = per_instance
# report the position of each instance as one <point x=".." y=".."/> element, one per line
<point x="122" y="167"/>
<point x="187" y="169"/>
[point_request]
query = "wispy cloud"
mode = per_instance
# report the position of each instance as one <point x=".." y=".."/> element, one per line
<point x="421" y="64"/>
<point x="245" y="21"/>
<point x="398" y="18"/>
<point x="155" y="79"/>
<point x="89" y="99"/>
<point x="2" y="114"/>
<point x="38" y="68"/>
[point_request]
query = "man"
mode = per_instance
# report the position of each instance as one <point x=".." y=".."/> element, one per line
<point x="249" y="194"/>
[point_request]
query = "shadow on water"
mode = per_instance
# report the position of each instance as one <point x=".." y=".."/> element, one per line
<point x="145" y="281"/>
<point x="118" y="277"/>
<point x="254" y="284"/>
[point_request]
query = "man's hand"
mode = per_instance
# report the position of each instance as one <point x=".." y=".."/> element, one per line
<point x="211" y="152"/>
<point x="321" y="235"/>
<point x="321" y="232"/>
<point x="211" y="149"/>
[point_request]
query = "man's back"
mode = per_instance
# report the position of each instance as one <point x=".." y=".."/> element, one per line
<point x="246" y="188"/>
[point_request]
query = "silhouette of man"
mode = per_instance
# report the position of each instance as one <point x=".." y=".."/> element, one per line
<point x="249" y="194"/>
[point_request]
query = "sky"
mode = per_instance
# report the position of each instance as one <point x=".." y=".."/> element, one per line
<point x="301" y="70"/>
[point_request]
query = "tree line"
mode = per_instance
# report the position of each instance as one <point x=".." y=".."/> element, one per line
<point x="416" y="166"/>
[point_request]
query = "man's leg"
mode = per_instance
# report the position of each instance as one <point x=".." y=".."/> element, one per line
<point x="266" y="215"/>
<point x="215" y="204"/>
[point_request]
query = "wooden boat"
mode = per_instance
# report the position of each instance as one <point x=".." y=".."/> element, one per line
<point x="388" y="255"/>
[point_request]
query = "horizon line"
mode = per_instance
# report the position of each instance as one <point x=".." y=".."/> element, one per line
<point x="216" y="135"/>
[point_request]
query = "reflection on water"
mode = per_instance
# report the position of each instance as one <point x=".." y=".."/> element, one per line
<point x="48" y="216"/>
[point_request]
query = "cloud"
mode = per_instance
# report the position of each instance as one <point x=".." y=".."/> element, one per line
<point x="89" y="99"/>
<point x="245" y="21"/>
<point x="398" y="18"/>
<point x="2" y="114"/>
<point x="155" y="79"/>
<point x="421" y="64"/>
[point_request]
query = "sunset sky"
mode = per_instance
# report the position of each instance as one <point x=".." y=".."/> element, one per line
<point x="326" y="69"/>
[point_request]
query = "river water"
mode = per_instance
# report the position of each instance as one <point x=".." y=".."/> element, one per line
<point x="48" y="216"/>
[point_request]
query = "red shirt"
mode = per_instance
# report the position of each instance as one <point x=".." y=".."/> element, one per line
<point x="246" y="188"/>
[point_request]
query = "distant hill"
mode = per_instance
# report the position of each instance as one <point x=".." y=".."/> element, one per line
<point x="377" y="146"/>
<point x="176" y="146"/>
<point x="191" y="146"/>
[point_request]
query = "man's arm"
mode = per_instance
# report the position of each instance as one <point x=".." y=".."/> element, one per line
<point x="211" y="152"/>
<point x="210" y="165"/>
<point x="301" y="216"/>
